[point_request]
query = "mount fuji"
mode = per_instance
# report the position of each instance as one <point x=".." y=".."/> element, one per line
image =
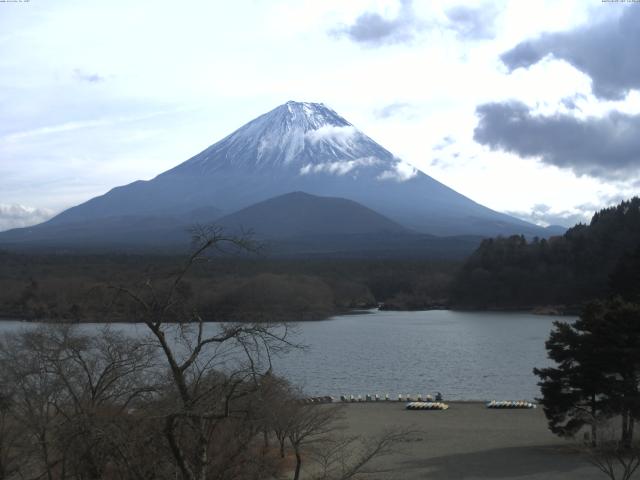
<point x="297" y="147"/>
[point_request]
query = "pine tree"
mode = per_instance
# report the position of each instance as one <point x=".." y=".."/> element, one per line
<point x="597" y="372"/>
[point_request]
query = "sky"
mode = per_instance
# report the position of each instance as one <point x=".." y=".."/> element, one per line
<point x="530" y="108"/>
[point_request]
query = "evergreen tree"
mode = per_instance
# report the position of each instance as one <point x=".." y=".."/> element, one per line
<point x="572" y="392"/>
<point x="597" y="372"/>
<point x="625" y="278"/>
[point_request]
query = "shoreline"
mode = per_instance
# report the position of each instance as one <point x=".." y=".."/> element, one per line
<point x="540" y="311"/>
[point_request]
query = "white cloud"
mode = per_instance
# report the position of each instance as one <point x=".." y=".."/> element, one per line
<point x="544" y="215"/>
<point x="15" y="216"/>
<point x="76" y="125"/>
<point x="339" y="168"/>
<point x="331" y="133"/>
<point x="401" y="172"/>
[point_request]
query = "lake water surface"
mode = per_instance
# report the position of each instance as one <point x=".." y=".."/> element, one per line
<point x="464" y="355"/>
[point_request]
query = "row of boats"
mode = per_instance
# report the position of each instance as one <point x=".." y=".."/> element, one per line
<point x="418" y="403"/>
<point x="325" y="399"/>
<point x="386" y="398"/>
<point x="427" y="406"/>
<point x="510" y="404"/>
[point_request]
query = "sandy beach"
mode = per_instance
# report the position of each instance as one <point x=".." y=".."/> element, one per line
<point x="469" y="441"/>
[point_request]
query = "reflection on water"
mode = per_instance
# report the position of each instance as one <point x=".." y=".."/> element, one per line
<point x="464" y="355"/>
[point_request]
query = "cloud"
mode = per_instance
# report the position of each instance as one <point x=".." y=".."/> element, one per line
<point x="606" y="147"/>
<point x="16" y="215"/>
<point x="76" y="125"/>
<point x="53" y="129"/>
<point x="394" y="109"/>
<point x="473" y="23"/>
<point x="88" y="77"/>
<point x="373" y="29"/>
<point x="332" y="133"/>
<point x="446" y="141"/>
<point x="339" y="168"/>
<point x="544" y="215"/>
<point x="401" y="172"/>
<point x="607" y="52"/>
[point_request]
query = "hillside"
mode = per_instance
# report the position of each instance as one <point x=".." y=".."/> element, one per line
<point x="300" y="214"/>
<point x="511" y="272"/>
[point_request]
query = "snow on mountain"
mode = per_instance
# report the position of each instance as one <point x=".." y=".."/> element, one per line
<point x="297" y="138"/>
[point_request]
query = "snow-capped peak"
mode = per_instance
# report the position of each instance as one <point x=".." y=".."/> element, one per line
<point x="309" y="116"/>
<point x="301" y="137"/>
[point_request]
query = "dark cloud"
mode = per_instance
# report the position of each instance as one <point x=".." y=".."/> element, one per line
<point x="394" y="109"/>
<point x="607" y="147"/>
<point x="88" y="77"/>
<point x="373" y="29"/>
<point x="370" y="28"/>
<point x="607" y="51"/>
<point x="473" y="23"/>
<point x="14" y="216"/>
<point x="542" y="214"/>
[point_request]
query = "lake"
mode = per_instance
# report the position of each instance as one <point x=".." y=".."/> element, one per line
<point x="464" y="355"/>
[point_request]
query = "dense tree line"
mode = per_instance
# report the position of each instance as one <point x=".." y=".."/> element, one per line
<point x="568" y="270"/>
<point x="70" y="287"/>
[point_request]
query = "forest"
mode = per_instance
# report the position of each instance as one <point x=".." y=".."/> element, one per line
<point x="587" y="262"/>
<point x="75" y="288"/>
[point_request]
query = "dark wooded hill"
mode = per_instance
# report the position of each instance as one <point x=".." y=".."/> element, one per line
<point x="512" y="272"/>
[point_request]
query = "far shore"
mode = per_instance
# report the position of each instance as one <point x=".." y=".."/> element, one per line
<point x="469" y="441"/>
<point x="553" y="310"/>
<point x="543" y="311"/>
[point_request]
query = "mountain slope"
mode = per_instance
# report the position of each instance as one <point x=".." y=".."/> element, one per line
<point x="113" y="232"/>
<point x="297" y="147"/>
<point x="299" y="214"/>
<point x="291" y="225"/>
<point x="298" y="224"/>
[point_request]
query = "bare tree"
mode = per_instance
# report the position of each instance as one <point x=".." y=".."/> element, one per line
<point x="312" y="431"/>
<point x="308" y="425"/>
<point x="344" y="458"/>
<point x="10" y="436"/>
<point x="35" y="393"/>
<point x="68" y="392"/>
<point x="103" y="376"/>
<point x="210" y="382"/>
<point x="614" y="457"/>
